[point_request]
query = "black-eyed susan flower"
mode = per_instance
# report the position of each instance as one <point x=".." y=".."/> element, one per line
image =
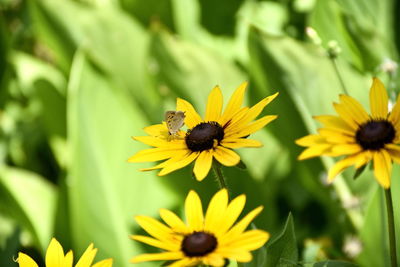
<point x="358" y="136"/>
<point x="55" y="258"/>
<point x="212" y="137"/>
<point x="209" y="239"/>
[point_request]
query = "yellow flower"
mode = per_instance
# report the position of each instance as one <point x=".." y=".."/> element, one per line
<point x="360" y="137"/>
<point x="55" y="258"/>
<point x="213" y="137"/>
<point x="208" y="239"/>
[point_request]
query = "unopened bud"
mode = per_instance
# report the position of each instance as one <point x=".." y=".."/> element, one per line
<point x="388" y="65"/>
<point x="313" y="35"/>
<point x="333" y="49"/>
<point x="352" y="246"/>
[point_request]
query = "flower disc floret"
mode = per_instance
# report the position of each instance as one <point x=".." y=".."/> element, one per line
<point x="374" y="134"/>
<point x="198" y="244"/>
<point x="204" y="136"/>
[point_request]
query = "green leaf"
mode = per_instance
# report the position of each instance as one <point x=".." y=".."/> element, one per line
<point x="259" y="258"/>
<point x="269" y="16"/>
<point x="241" y="165"/>
<point x="192" y="79"/>
<point x="115" y="41"/>
<point x="105" y="191"/>
<point x="327" y="19"/>
<point x="11" y="245"/>
<point x="374" y="234"/>
<point x="30" y="200"/>
<point x="370" y="24"/>
<point x="283" y="249"/>
<point x="359" y="171"/>
<point x="42" y="83"/>
<point x="362" y="29"/>
<point x="30" y="70"/>
<point x="331" y="263"/>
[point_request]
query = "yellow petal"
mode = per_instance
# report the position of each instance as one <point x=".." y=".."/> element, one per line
<point x="333" y="136"/>
<point x="334" y="122"/>
<point x="179" y="155"/>
<point x="236" y="254"/>
<point x="173" y="221"/>
<point x="346" y="115"/>
<point x="363" y="158"/>
<point x="54" y="254"/>
<point x="394" y="152"/>
<point x="314" y="151"/>
<point x="250" y="240"/>
<point x="231" y="125"/>
<point x="214" y="259"/>
<point x="346" y="149"/>
<point x="87" y="257"/>
<point x="255" y="110"/>
<point x="234" y="104"/>
<point x="68" y="259"/>
<point x="394" y="115"/>
<point x="155" y="154"/>
<point x="252" y="127"/>
<point x="240" y="142"/>
<point x="216" y="208"/>
<point x="202" y="165"/>
<point x="214" y="105"/>
<point x="382" y="168"/>
<point x="164" y="256"/>
<point x="186" y="262"/>
<point x="310" y="140"/>
<point x="192" y="118"/>
<point x="239" y="228"/>
<point x="104" y="263"/>
<point x="378" y="99"/>
<point x="25" y="261"/>
<point x="157" y="243"/>
<point x="181" y="163"/>
<point x="194" y="211"/>
<point x="157" y="130"/>
<point x="151" y="141"/>
<point x="231" y="214"/>
<point x="354" y="109"/>
<point x="341" y="165"/>
<point x="226" y="156"/>
<point x="155" y="228"/>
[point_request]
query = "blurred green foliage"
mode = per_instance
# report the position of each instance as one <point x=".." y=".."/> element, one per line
<point x="79" y="78"/>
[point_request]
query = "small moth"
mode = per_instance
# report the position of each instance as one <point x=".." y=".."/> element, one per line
<point x="175" y="120"/>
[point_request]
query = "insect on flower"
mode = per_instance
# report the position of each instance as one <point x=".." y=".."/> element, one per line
<point x="175" y="120"/>
<point x="212" y="137"/>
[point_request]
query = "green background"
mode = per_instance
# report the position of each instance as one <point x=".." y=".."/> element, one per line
<point x="79" y="78"/>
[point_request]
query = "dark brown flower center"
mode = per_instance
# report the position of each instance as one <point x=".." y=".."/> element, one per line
<point x="202" y="136"/>
<point x="374" y="134"/>
<point x="198" y="244"/>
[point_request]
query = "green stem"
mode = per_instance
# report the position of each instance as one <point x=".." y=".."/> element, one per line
<point x="338" y="75"/>
<point x="392" y="234"/>
<point x="218" y="174"/>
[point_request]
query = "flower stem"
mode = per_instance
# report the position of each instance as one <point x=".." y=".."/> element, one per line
<point x="219" y="175"/>
<point x="392" y="234"/>
<point x="333" y="60"/>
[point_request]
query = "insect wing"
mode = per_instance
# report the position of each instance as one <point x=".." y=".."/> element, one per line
<point x="175" y="120"/>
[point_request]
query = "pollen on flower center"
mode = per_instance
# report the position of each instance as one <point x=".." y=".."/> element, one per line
<point x="202" y="136"/>
<point x="198" y="244"/>
<point x="374" y="134"/>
